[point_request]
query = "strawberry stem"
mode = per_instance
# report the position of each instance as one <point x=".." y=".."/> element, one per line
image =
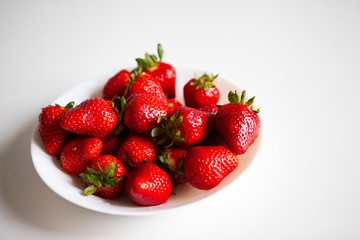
<point x="160" y="52"/>
<point x="167" y="132"/>
<point x="151" y="60"/>
<point x="235" y="99"/>
<point x="250" y="101"/>
<point x="67" y="106"/>
<point x="133" y="75"/>
<point x="118" y="105"/>
<point x="243" y="95"/>
<point x="100" y="178"/>
<point x="205" y="81"/>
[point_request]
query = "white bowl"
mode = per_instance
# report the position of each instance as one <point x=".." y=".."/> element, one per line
<point x="71" y="187"/>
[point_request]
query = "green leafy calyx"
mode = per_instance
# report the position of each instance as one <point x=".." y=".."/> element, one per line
<point x="118" y="104"/>
<point x="102" y="178"/>
<point x="205" y="81"/>
<point x="67" y="106"/>
<point x="151" y="60"/>
<point x="235" y="99"/>
<point x="164" y="158"/>
<point x="133" y="75"/>
<point x="167" y="132"/>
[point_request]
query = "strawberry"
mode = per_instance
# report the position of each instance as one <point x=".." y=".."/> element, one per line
<point x="104" y="177"/>
<point x="52" y="135"/>
<point x="200" y="91"/>
<point x="163" y="72"/>
<point x="93" y="117"/>
<point x="211" y="108"/>
<point x="116" y="85"/>
<point x="142" y="112"/>
<point x="76" y="153"/>
<point x="173" y="103"/>
<point x="172" y="159"/>
<point x="137" y="149"/>
<point x="148" y="185"/>
<point x="111" y="144"/>
<point x="238" y="123"/>
<point x="185" y="128"/>
<point x="207" y="166"/>
<point x="145" y="83"/>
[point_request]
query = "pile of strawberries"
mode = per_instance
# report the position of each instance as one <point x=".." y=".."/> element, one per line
<point x="139" y="139"/>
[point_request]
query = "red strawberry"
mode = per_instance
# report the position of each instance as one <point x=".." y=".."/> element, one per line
<point x="211" y="108"/>
<point x="76" y="153"/>
<point x="145" y="83"/>
<point x="173" y="103"/>
<point x="142" y="112"/>
<point x="185" y="128"/>
<point x="201" y="91"/>
<point x="104" y="177"/>
<point x="163" y="72"/>
<point x="116" y="85"/>
<point x="137" y="149"/>
<point x="173" y="161"/>
<point x="207" y="166"/>
<point x="94" y="117"/>
<point x="52" y="135"/>
<point x="148" y="185"/>
<point x="111" y="144"/>
<point x="238" y="123"/>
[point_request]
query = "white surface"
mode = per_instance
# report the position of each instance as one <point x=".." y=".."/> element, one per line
<point x="301" y="59"/>
<point x="71" y="187"/>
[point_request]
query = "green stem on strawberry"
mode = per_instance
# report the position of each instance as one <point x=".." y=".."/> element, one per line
<point x="134" y="74"/>
<point x="205" y="81"/>
<point x="167" y="132"/>
<point x="250" y="101"/>
<point x="100" y="178"/>
<point x="164" y="157"/>
<point x="151" y="60"/>
<point x="235" y="99"/>
<point x="67" y="106"/>
<point x="116" y="103"/>
<point x="160" y="52"/>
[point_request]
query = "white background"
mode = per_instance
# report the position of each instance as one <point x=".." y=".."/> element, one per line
<point x="301" y="59"/>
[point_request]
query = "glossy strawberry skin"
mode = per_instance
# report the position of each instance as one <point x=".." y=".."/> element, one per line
<point x="194" y="126"/>
<point x="148" y="185"/>
<point x="145" y="83"/>
<point x="116" y="85"/>
<point x="166" y="75"/>
<point x="173" y="103"/>
<point x="52" y="135"/>
<point x="93" y="117"/>
<point x="211" y="108"/>
<point x="207" y="166"/>
<point x="142" y="112"/>
<point x="238" y="126"/>
<point x="138" y="148"/>
<point x="111" y="144"/>
<point x="76" y="153"/>
<point x="104" y="161"/>
<point x="199" y="97"/>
